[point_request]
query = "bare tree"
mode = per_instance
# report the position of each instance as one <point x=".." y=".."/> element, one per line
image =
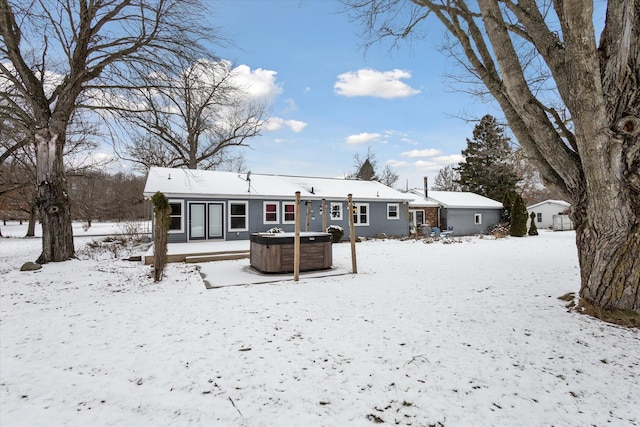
<point x="534" y="55"/>
<point x="447" y="179"/>
<point x="388" y="176"/>
<point x="58" y="56"/>
<point x="529" y="182"/>
<point x="193" y="119"/>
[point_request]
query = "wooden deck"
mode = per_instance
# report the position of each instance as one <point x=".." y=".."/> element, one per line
<point x="203" y="252"/>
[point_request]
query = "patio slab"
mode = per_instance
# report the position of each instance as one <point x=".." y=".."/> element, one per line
<point x="218" y="274"/>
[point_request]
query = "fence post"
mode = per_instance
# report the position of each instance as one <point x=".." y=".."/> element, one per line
<point x="324" y="215"/>
<point x="352" y="236"/>
<point x="296" y="241"/>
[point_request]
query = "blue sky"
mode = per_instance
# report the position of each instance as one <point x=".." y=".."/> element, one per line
<point x="330" y="99"/>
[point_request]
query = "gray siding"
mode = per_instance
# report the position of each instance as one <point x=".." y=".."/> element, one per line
<point x="463" y="220"/>
<point x="377" y="214"/>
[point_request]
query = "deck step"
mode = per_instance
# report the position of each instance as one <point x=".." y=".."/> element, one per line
<point x="231" y="255"/>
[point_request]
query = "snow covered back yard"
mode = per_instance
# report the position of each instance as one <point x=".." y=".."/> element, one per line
<point x="459" y="334"/>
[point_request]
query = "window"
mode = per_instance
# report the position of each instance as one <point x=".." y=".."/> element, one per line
<point x="361" y="214"/>
<point x="477" y="219"/>
<point x="539" y="217"/>
<point x="270" y="212"/>
<point x="288" y="213"/>
<point x="176" y="224"/>
<point x="336" y="211"/>
<point x="393" y="211"/>
<point x="419" y="217"/>
<point x="238" y="212"/>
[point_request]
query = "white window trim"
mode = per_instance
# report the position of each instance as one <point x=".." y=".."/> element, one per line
<point x="356" y="221"/>
<point x="246" y="211"/>
<point x="397" y="205"/>
<point x="264" y="212"/>
<point x="339" y="217"/>
<point x="182" y="215"/>
<point x="284" y="212"/>
<point x="477" y="219"/>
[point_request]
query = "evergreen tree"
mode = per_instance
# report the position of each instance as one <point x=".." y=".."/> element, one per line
<point x="366" y="172"/>
<point x="519" y="216"/>
<point x="507" y="203"/>
<point x="487" y="169"/>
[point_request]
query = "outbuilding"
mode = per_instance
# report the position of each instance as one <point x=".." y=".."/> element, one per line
<point x="546" y="211"/>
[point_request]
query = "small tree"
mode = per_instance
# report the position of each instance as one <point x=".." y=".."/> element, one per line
<point x="162" y="212"/>
<point x="533" y="230"/>
<point x="518" y="225"/>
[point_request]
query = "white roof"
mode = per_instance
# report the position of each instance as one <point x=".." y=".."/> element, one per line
<point x="457" y="199"/>
<point x="190" y="182"/>
<point x="418" y="200"/>
<point x="550" y="202"/>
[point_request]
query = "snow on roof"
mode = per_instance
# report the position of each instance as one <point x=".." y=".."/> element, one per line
<point x="418" y="200"/>
<point x="463" y="199"/>
<point x="550" y="202"/>
<point x="190" y="182"/>
<point x="457" y="199"/>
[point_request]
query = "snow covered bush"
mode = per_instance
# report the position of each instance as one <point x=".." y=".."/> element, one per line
<point x="275" y="230"/>
<point x="336" y="233"/>
<point x="500" y="230"/>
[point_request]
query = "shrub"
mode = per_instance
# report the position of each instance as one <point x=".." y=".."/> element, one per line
<point x="533" y="230"/>
<point x="336" y="233"/>
<point x="519" y="215"/>
<point x="275" y="230"/>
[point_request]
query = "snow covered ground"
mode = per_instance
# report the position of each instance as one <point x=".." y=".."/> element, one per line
<point x="459" y="334"/>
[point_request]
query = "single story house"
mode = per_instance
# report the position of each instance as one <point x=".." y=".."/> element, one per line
<point x="546" y="210"/>
<point x="462" y="213"/>
<point x="216" y="205"/>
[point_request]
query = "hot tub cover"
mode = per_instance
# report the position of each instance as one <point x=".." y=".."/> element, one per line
<point x="288" y="238"/>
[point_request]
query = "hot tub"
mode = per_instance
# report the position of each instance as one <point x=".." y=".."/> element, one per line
<point x="273" y="253"/>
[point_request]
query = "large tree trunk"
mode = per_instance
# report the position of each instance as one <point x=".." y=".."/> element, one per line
<point x="609" y="267"/>
<point x="53" y="199"/>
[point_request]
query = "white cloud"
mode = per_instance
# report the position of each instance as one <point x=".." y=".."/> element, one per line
<point x="435" y="163"/>
<point x="397" y="163"/>
<point x="277" y="123"/>
<point x="428" y="166"/>
<point x="380" y="84"/>
<point x="427" y="152"/>
<point x="362" y="138"/>
<point x="447" y="160"/>
<point x="258" y="83"/>
<point x="409" y="141"/>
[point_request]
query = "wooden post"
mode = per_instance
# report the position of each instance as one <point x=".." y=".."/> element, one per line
<point x="352" y="236"/>
<point x="324" y="215"/>
<point x="296" y="241"/>
<point x="306" y="225"/>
